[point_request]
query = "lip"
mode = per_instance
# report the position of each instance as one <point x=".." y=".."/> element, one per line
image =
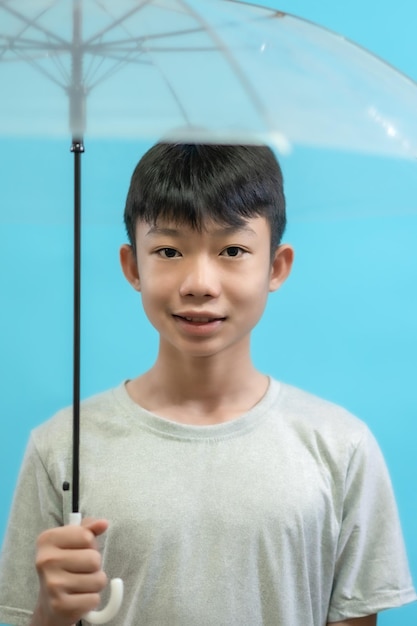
<point x="199" y="316"/>
<point x="198" y="324"/>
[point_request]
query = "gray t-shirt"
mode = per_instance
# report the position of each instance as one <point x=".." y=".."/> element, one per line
<point x="282" y="517"/>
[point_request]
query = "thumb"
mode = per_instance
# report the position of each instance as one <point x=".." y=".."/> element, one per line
<point x="97" y="526"/>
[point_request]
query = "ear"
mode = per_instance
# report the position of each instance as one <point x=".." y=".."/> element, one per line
<point x="281" y="266"/>
<point x="129" y="266"/>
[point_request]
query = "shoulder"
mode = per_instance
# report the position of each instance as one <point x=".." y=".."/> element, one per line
<point x="57" y="430"/>
<point x="314" y="411"/>
<point x="321" y="425"/>
<point x="324" y="437"/>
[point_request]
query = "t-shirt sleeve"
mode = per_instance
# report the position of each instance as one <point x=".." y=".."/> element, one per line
<point x="36" y="506"/>
<point x="371" y="571"/>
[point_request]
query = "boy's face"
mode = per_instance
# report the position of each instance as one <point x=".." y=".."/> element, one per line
<point x="205" y="291"/>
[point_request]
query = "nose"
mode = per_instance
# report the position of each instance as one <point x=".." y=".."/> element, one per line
<point x="201" y="278"/>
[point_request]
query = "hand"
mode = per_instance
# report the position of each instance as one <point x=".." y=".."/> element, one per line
<point x="70" y="575"/>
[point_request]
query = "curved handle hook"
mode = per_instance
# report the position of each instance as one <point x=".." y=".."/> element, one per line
<point x="116" y="591"/>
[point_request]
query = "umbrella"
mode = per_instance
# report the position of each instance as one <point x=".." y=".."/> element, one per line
<point x="216" y="69"/>
<point x="212" y="70"/>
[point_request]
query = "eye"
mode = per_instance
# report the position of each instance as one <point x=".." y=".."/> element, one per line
<point x="233" y="251"/>
<point x="168" y="253"/>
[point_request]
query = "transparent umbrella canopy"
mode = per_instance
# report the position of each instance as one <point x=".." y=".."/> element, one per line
<point x="215" y="70"/>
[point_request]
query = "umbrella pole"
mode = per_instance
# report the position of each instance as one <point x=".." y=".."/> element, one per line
<point x="77" y="148"/>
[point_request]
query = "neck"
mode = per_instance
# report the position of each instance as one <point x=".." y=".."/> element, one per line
<point x="199" y="390"/>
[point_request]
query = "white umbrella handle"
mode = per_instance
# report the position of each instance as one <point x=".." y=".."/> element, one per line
<point x="116" y="591"/>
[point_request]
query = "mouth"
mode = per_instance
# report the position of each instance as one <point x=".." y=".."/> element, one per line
<point x="199" y="319"/>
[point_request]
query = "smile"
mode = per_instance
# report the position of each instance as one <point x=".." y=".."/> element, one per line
<point x="199" y="324"/>
<point x="201" y="320"/>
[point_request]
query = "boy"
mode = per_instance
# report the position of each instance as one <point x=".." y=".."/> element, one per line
<point x="232" y="499"/>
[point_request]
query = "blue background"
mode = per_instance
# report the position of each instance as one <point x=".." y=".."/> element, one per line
<point x="343" y="327"/>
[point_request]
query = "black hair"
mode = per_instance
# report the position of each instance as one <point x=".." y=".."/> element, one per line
<point x="192" y="183"/>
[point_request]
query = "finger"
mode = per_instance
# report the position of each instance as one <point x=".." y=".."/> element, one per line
<point x="86" y="561"/>
<point x="74" y="606"/>
<point x="81" y="583"/>
<point x="97" y="526"/>
<point x="52" y="562"/>
<point x="67" y="537"/>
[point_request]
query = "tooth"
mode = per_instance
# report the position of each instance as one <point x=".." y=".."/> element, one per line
<point x="203" y="320"/>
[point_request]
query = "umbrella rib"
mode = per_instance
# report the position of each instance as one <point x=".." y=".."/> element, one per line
<point x="34" y="23"/>
<point x="143" y="38"/>
<point x="136" y="40"/>
<point x="11" y="40"/>
<point x="25" y="42"/>
<point x="126" y="59"/>
<point x="174" y="95"/>
<point x="230" y="58"/>
<point x="30" y="50"/>
<point x="91" y="69"/>
<point x="41" y="69"/>
<point x="107" y="74"/>
<point x="60" y="66"/>
<point x="89" y="46"/>
<point x="118" y="21"/>
<point x="28" y="42"/>
<point x="102" y="49"/>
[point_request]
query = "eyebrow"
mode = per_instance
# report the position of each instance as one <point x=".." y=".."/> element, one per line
<point x="159" y="230"/>
<point x="220" y="232"/>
